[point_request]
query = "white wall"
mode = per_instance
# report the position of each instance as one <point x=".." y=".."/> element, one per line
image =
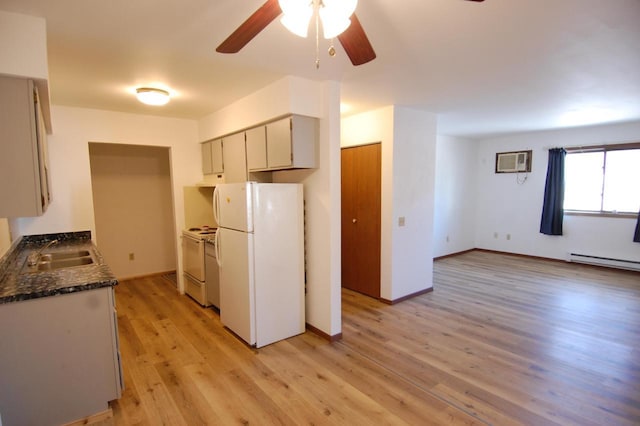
<point x="506" y="207"/>
<point x="23" y="46"/>
<point x="414" y="165"/>
<point x="455" y="195"/>
<point x="72" y="205"/>
<point x="23" y="53"/>
<point x="293" y="95"/>
<point x="408" y="140"/>
<point x="286" y="96"/>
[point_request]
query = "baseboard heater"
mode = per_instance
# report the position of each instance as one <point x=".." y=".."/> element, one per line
<point x="604" y="261"/>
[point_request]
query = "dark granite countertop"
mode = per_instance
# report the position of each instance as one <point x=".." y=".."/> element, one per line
<point x="20" y="282"/>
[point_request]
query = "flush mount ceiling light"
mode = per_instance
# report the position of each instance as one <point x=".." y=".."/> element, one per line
<point x="152" y="96"/>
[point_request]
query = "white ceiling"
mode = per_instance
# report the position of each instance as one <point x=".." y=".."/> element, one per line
<point x="486" y="68"/>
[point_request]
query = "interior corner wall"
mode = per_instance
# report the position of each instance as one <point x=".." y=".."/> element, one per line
<point x="283" y="97"/>
<point x="370" y="127"/>
<point x="71" y="208"/>
<point x="508" y="212"/>
<point x="455" y="195"/>
<point x="408" y="138"/>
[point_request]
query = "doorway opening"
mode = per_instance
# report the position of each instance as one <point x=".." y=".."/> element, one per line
<point x="133" y="208"/>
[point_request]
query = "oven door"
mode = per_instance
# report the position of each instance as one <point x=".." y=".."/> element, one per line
<point x="193" y="257"/>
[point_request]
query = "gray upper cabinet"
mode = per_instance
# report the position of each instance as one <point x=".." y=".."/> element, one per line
<point x="212" y="157"/>
<point x="217" y="157"/>
<point x="289" y="143"/>
<point x="234" y="153"/>
<point x="207" y="167"/>
<point x="256" y="148"/>
<point x="24" y="179"/>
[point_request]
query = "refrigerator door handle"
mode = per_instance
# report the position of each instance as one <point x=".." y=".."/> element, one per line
<point x="217" y="248"/>
<point x="216" y="206"/>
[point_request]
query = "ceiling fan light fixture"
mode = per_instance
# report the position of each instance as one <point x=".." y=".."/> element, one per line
<point x="152" y="96"/>
<point x="338" y="10"/>
<point x="296" y="24"/>
<point x="296" y="16"/>
<point x="333" y="27"/>
<point x="334" y="15"/>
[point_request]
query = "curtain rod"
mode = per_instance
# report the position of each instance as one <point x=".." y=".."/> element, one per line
<point x="598" y="147"/>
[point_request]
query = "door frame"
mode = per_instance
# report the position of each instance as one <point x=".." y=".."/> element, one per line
<point x="381" y="211"/>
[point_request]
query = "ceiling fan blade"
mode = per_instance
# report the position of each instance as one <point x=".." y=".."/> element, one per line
<point x="356" y="44"/>
<point x="251" y="27"/>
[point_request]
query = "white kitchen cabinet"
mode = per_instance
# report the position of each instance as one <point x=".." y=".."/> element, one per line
<point x="290" y="143"/>
<point x="59" y="358"/>
<point x="24" y="179"/>
<point x="235" y="158"/>
<point x="212" y="157"/>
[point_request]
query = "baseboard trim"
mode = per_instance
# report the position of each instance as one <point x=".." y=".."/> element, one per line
<point x="528" y="256"/>
<point x="454" y="254"/>
<point x="155" y="274"/>
<point x="94" y="418"/>
<point x="324" y="335"/>
<point x="407" y="297"/>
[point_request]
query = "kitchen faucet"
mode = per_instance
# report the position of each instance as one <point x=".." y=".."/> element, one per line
<point x="35" y="257"/>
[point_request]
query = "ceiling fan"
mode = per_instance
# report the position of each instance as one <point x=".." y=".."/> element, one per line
<point x="354" y="40"/>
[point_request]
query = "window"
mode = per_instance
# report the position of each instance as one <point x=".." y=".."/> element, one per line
<point x="603" y="179"/>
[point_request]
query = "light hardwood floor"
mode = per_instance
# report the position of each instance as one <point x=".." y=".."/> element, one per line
<point x="502" y="340"/>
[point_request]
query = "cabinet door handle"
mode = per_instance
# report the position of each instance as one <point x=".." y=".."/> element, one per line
<point x="354" y="220"/>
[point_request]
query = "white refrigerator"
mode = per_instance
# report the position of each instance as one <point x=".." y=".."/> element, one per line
<point x="260" y="251"/>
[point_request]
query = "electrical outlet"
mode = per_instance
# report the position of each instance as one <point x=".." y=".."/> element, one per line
<point x="508" y="237"/>
<point x="495" y="235"/>
<point x="401" y="221"/>
<point x="132" y="256"/>
<point x="447" y="238"/>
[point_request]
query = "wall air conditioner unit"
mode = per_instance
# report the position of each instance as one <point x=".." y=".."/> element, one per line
<point x="513" y="162"/>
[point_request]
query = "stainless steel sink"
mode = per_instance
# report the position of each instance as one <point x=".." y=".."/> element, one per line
<point x="64" y="263"/>
<point x="58" y="260"/>
<point x="52" y="257"/>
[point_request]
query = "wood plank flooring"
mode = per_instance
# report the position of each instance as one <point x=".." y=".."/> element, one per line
<point x="501" y="340"/>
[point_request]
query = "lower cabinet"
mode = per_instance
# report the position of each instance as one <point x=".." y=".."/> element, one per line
<point x="59" y="358"/>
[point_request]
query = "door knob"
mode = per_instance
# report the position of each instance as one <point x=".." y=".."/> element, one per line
<point x="355" y="220"/>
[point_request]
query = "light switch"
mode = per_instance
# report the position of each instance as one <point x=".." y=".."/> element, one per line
<point x="401" y="221"/>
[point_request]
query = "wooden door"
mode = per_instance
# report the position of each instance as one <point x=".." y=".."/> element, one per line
<point x="361" y="177"/>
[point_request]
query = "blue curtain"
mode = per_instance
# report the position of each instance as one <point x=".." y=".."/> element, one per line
<point x="636" y="236"/>
<point x="552" y="211"/>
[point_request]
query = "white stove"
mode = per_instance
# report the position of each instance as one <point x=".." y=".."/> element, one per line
<point x="200" y="233"/>
<point x="193" y="261"/>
